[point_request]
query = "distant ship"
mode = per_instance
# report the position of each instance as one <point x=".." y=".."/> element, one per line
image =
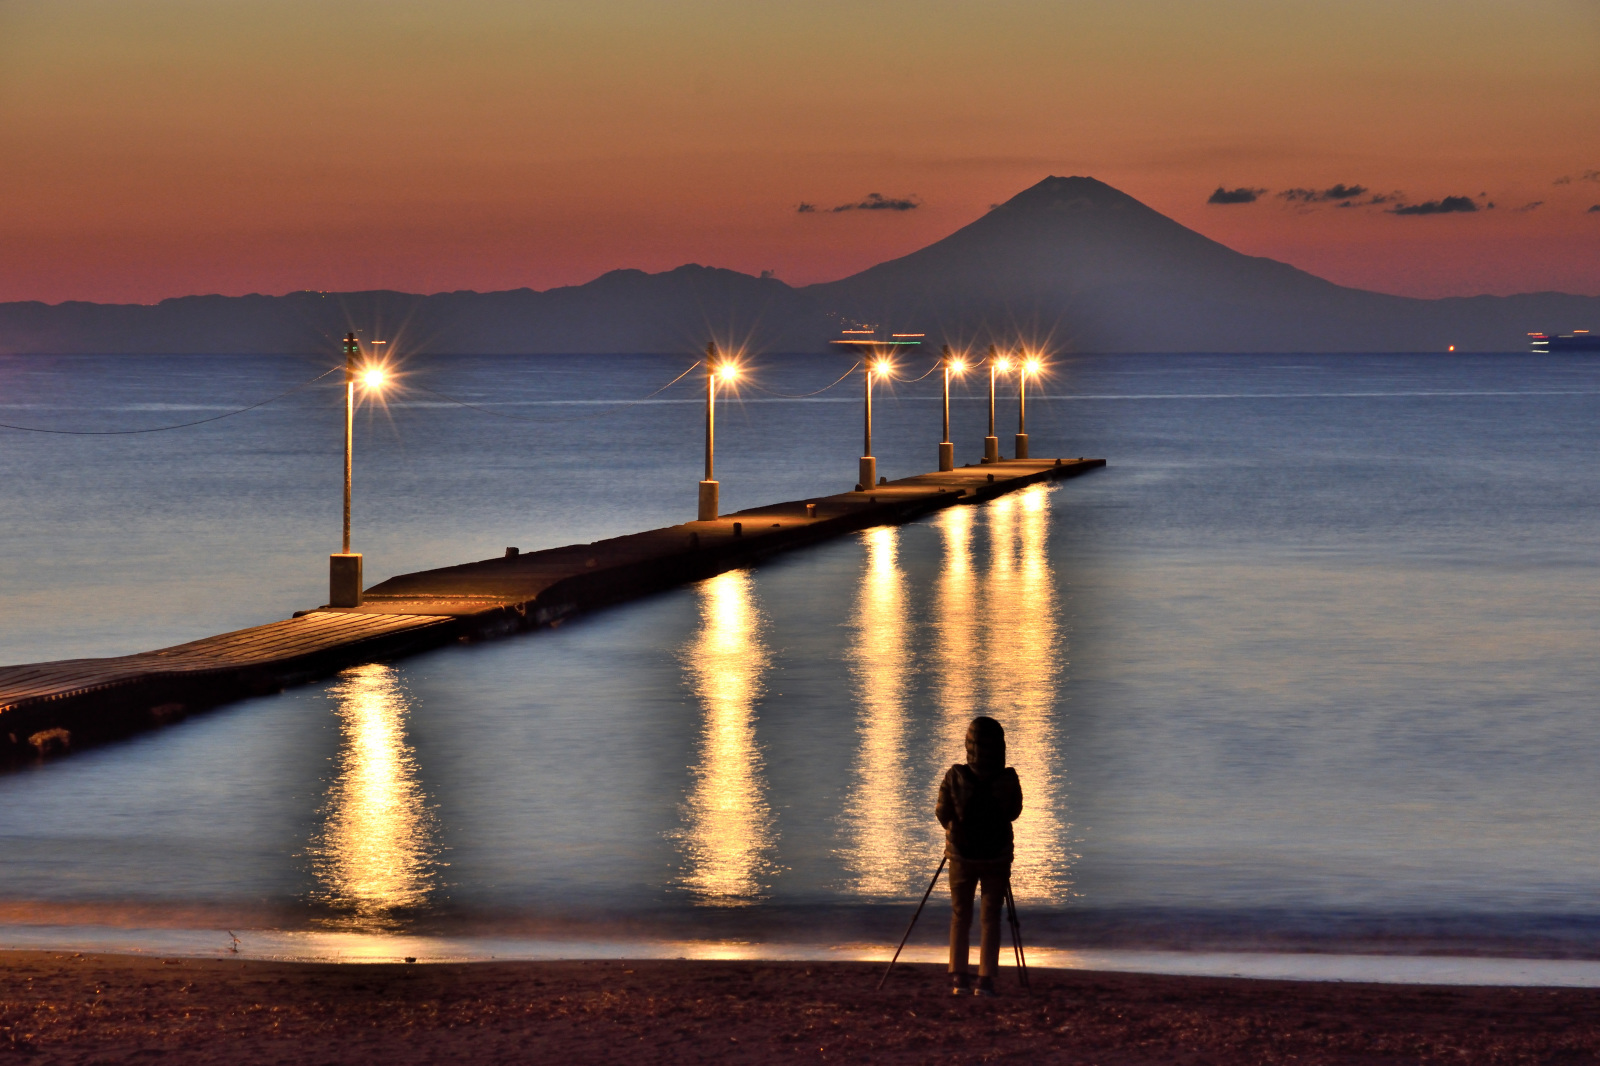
<point x="1579" y="340"/>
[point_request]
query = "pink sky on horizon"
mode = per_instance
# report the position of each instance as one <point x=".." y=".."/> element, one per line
<point x="170" y="147"/>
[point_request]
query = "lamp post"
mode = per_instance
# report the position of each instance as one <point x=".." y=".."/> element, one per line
<point x="947" y="450"/>
<point x="1029" y="366"/>
<point x="880" y="366"/>
<point x="991" y="443"/>
<point x="344" y="567"/>
<point x="708" y="487"/>
<point x="727" y="371"/>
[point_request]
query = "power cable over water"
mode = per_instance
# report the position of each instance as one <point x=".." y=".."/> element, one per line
<point x="806" y="395"/>
<point x="180" y="425"/>
<point x="571" y="418"/>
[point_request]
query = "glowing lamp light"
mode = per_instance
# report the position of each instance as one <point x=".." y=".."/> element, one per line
<point x="727" y="372"/>
<point x="373" y="378"/>
<point x="882" y="366"/>
<point x="1031" y="366"/>
<point x="958" y="365"/>
<point x="1003" y="365"/>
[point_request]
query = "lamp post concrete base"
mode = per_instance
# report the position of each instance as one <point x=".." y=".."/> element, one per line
<point x="1022" y="445"/>
<point x="869" y="472"/>
<point x="991" y="449"/>
<point x="344" y="580"/>
<point x="708" y="500"/>
<point x="947" y="456"/>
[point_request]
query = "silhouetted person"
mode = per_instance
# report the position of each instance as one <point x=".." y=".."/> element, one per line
<point x="978" y="801"/>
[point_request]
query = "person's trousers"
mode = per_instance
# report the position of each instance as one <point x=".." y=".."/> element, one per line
<point x="965" y="879"/>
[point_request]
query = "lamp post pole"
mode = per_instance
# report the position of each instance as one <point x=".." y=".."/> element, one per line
<point x="709" y="487"/>
<point x="947" y="450"/>
<point x="869" y="465"/>
<point x="1022" y="408"/>
<point x="991" y="443"/>
<point x="344" y="568"/>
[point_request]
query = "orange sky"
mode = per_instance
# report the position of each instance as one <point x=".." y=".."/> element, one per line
<point x="152" y="148"/>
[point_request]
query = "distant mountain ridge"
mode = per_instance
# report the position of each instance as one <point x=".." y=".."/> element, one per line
<point x="1069" y="259"/>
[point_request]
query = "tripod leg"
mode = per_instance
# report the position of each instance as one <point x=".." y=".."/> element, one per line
<point x="913" y="924"/>
<point x="1016" y="939"/>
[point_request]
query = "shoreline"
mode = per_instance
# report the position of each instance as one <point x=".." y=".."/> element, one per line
<point x="366" y="948"/>
<point x="69" y="1007"/>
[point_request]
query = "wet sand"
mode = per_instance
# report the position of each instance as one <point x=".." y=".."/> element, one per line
<point x="67" y="1008"/>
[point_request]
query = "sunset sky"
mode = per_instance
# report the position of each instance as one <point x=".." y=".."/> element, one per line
<point x="155" y="148"/>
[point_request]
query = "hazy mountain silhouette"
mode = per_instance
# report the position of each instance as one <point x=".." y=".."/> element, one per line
<point x="1070" y="259"/>
<point x="1100" y="271"/>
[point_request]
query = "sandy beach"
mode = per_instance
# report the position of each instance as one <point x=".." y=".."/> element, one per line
<point x="75" y="1008"/>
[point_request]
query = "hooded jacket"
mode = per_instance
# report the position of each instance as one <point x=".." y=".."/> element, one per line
<point x="980" y="798"/>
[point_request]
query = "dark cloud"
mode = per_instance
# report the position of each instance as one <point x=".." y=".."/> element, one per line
<point x="1235" y="196"/>
<point x="1564" y="180"/>
<point x="1450" y="205"/>
<point x="1341" y="191"/>
<point x="878" y="202"/>
<point x="874" y="201"/>
<point x="1590" y="175"/>
<point x="1595" y="210"/>
<point x="1525" y="208"/>
<point x="1337" y="191"/>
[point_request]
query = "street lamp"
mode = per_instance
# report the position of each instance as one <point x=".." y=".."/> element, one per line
<point x="344" y="568"/>
<point x="947" y="450"/>
<point x="726" y="371"/>
<point x="880" y="366"/>
<point x="1030" y="366"/>
<point x="991" y="443"/>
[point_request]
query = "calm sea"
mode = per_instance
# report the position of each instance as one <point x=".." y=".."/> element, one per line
<point x="1313" y="662"/>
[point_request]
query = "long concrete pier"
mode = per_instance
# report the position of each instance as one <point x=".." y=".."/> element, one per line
<point x="50" y="708"/>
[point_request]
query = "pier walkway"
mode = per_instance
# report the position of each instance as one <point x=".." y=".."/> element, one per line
<point x="49" y="708"/>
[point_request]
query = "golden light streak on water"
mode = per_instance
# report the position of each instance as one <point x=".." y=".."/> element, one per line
<point x="955" y="639"/>
<point x="376" y="854"/>
<point x="1022" y="642"/>
<point x="730" y="828"/>
<point x="885" y="827"/>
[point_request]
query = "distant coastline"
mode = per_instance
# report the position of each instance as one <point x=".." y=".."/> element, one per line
<point x="1071" y="263"/>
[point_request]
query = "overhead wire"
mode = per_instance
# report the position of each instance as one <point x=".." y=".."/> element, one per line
<point x="806" y="395"/>
<point x="622" y="406"/>
<point x="164" y="429"/>
<point x="609" y="410"/>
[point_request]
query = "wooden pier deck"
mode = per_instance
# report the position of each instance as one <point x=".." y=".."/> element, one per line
<point x="50" y="708"/>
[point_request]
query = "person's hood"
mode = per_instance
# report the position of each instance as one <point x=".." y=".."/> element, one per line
<point x="986" y="746"/>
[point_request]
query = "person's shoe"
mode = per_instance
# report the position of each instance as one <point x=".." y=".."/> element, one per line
<point x="985" y="988"/>
<point x="960" y="984"/>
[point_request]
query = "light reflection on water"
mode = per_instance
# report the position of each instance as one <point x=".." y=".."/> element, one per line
<point x="882" y="822"/>
<point x="1022" y="638"/>
<point x="990" y="645"/>
<point x="729" y="830"/>
<point x="1317" y="668"/>
<point x="376" y="853"/>
<point x="955" y="631"/>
